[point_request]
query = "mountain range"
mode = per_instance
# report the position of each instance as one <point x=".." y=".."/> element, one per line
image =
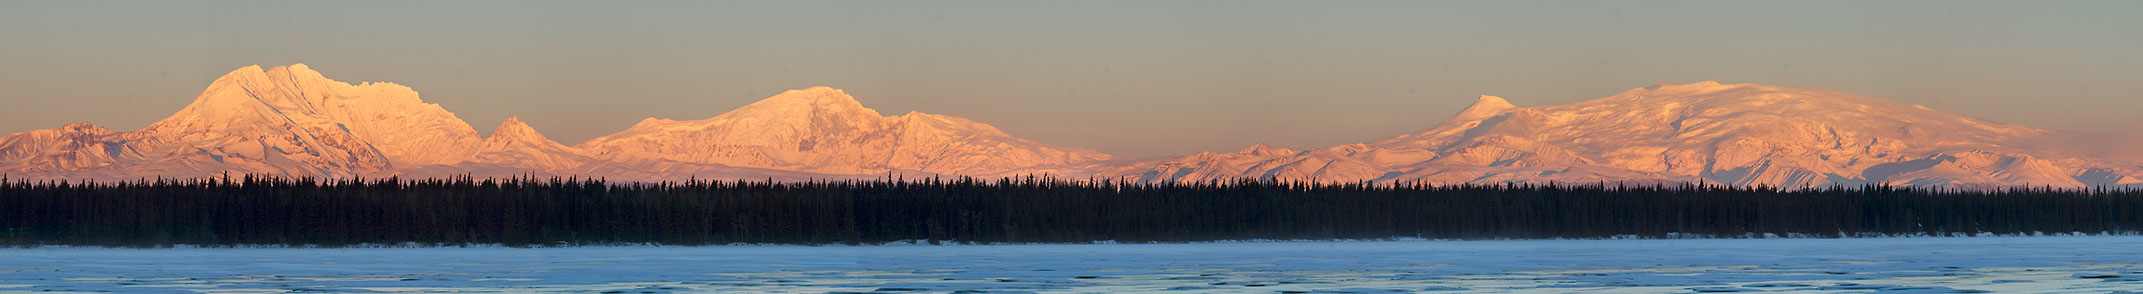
<point x="293" y="121"/>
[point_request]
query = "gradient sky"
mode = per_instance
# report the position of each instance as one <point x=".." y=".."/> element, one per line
<point x="1133" y="78"/>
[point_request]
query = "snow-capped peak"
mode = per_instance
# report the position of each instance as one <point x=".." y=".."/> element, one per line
<point x="815" y="94"/>
<point x="290" y="120"/>
<point x="819" y="101"/>
<point x="1739" y="134"/>
<point x="85" y="127"/>
<point x="1487" y="105"/>
<point x="514" y="130"/>
<point x="1262" y="149"/>
<point x="1696" y="86"/>
<point x="824" y="130"/>
<point x="515" y="148"/>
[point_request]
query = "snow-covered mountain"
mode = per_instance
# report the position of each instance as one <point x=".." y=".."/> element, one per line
<point x="1740" y="134"/>
<point x="287" y="120"/>
<point x="292" y="121"/>
<point x="513" y="149"/>
<point x="824" y="130"/>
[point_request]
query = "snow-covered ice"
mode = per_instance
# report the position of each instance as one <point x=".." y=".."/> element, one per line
<point x="1885" y="265"/>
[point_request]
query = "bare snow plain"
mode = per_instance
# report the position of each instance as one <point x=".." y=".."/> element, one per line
<point x="2101" y="264"/>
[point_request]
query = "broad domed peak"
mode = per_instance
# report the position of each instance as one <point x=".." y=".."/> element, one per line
<point x="1262" y="149"/>
<point x="813" y="95"/>
<point x="1707" y="85"/>
<point x="817" y="101"/>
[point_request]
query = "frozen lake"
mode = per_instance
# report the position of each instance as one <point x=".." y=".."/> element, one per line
<point x="1888" y="265"/>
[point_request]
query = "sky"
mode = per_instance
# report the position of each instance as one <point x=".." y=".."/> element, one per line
<point x="1130" y="78"/>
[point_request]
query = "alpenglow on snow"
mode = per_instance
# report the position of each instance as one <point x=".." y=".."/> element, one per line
<point x="292" y="121"/>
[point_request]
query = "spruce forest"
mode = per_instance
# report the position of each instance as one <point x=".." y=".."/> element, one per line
<point x="268" y="211"/>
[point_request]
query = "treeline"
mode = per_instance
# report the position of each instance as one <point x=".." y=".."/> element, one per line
<point x="568" y="211"/>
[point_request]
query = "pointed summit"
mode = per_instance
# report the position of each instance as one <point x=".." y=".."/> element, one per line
<point x="1491" y="101"/>
<point x="1486" y="106"/>
<point x="518" y="148"/>
<point x="514" y="130"/>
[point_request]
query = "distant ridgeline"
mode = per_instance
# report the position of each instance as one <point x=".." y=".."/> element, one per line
<point x="292" y="121"/>
<point x="264" y="211"/>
